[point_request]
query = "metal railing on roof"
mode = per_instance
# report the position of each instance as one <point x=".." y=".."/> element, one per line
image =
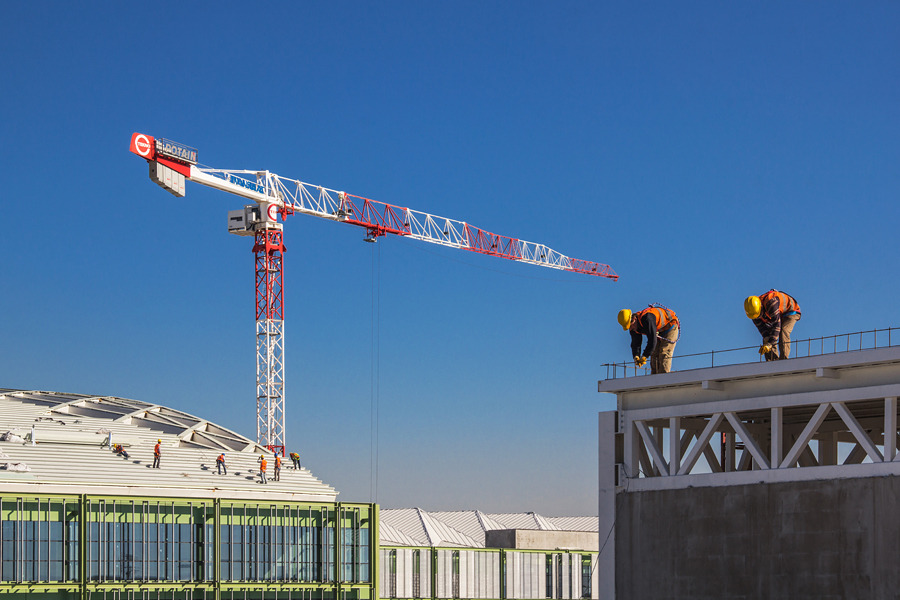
<point x="842" y="342"/>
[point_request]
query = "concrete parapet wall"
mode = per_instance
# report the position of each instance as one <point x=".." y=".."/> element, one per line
<point x="804" y="539"/>
<point x="533" y="539"/>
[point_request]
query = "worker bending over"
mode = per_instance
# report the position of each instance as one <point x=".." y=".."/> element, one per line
<point x="660" y="325"/>
<point x="774" y="314"/>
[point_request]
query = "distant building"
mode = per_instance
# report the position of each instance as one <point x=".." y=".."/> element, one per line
<point x="470" y="554"/>
<point x="78" y="520"/>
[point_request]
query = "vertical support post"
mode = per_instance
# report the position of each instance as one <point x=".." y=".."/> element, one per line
<point x="374" y="557"/>
<point x="269" y="250"/>
<point x="827" y="448"/>
<point x="216" y="541"/>
<point x="890" y="428"/>
<point x="777" y="436"/>
<point x="606" y="559"/>
<point x="83" y="544"/>
<point x="434" y="569"/>
<point x="729" y="453"/>
<point x="674" y="445"/>
<point x="338" y="546"/>
<point x="658" y="469"/>
<point x="632" y="448"/>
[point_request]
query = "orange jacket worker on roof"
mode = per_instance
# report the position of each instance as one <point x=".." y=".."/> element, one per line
<point x="156" y="454"/>
<point x="774" y="314"/>
<point x="262" y="469"/>
<point x="661" y="326"/>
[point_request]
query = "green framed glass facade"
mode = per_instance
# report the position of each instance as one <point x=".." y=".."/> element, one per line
<point x="84" y="546"/>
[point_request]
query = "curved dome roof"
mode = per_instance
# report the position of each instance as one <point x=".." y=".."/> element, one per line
<point x="62" y="439"/>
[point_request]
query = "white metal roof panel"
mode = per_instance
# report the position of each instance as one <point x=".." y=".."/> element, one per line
<point x="575" y="523"/>
<point x="70" y="449"/>
<point x="527" y="520"/>
<point x="426" y="530"/>
<point x="466" y="528"/>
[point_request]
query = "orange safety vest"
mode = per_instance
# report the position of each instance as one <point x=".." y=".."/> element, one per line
<point x="262" y="465"/>
<point x="665" y="318"/>
<point x="221" y="459"/>
<point x="156" y="450"/>
<point x="786" y="303"/>
<point x="277" y="462"/>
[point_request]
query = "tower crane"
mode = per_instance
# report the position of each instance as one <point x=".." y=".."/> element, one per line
<point x="274" y="198"/>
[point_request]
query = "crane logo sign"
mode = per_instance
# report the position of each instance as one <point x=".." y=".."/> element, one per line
<point x="150" y="148"/>
<point x="142" y="145"/>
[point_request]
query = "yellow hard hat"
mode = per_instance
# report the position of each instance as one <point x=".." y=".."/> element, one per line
<point x="625" y="318"/>
<point x="159" y="441"/>
<point x="752" y="306"/>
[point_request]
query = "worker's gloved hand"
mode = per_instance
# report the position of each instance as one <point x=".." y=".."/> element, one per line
<point x="765" y="349"/>
<point x="640" y="361"/>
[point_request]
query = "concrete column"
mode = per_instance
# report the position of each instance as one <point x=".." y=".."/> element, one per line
<point x="890" y="428"/>
<point x="827" y="448"/>
<point x="606" y="561"/>
<point x="674" y="445"/>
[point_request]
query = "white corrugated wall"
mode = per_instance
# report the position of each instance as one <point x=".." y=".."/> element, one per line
<point x="425" y="574"/>
<point x="479" y="574"/>
<point x="525" y="575"/>
<point x="444" y="573"/>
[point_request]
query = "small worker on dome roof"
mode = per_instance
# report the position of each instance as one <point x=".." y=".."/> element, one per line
<point x="156" y="454"/>
<point x="295" y="458"/>
<point x="277" y="467"/>
<point x="220" y="464"/>
<point x="262" y="469"/>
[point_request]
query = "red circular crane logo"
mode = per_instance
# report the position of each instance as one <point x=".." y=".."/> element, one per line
<point x="142" y="145"/>
<point x="272" y="212"/>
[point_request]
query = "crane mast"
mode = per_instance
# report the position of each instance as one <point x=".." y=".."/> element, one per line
<point x="274" y="197"/>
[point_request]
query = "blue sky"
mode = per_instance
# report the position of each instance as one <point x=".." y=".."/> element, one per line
<point x="705" y="150"/>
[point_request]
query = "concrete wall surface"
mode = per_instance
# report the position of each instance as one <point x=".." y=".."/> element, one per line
<point x="531" y="539"/>
<point x="828" y="539"/>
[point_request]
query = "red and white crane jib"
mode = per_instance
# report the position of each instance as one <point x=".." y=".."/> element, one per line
<point x="288" y="196"/>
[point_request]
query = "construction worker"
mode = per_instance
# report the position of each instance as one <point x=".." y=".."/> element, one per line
<point x="220" y="464"/>
<point x="156" y="454"/>
<point x="120" y="451"/>
<point x="262" y="469"/>
<point x="774" y="314"/>
<point x="277" y="467"/>
<point x="295" y="458"/>
<point x="661" y="326"/>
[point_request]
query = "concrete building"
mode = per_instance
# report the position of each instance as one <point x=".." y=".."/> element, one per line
<point x="78" y="520"/>
<point x="761" y="480"/>
<point x="471" y="554"/>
